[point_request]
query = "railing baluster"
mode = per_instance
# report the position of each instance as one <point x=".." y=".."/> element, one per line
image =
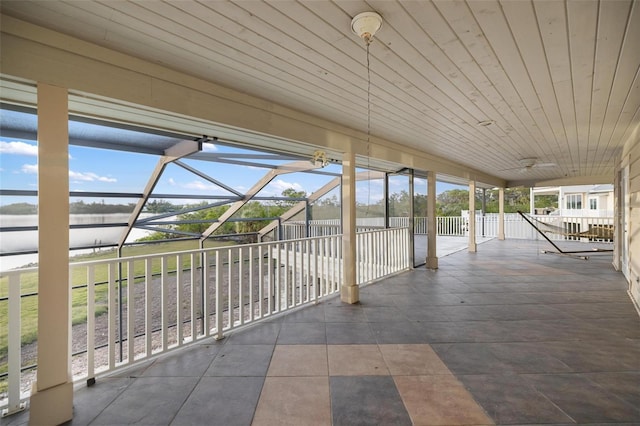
<point x="14" y="350"/>
<point x="91" y="322"/>
<point x="308" y="280"/>
<point x="148" y="306"/>
<point x="179" y="301"/>
<point x="240" y="286"/>
<point x="205" y="291"/>
<point x="287" y="250"/>
<point x="131" y="313"/>
<point x="192" y="289"/>
<point x="112" y="295"/>
<point x="260" y="281"/>
<point x="164" y="301"/>
<point x="230" y="289"/>
<point x="219" y="301"/>
<point x="272" y="290"/>
<point x="251" y="296"/>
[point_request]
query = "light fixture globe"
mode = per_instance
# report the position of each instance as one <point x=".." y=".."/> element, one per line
<point x="366" y="24"/>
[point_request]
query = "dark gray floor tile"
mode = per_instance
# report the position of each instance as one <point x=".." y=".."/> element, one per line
<point x="241" y="360"/>
<point x="471" y="358"/>
<point x="311" y="313"/>
<point x="596" y="355"/>
<point x="259" y="334"/>
<point x="599" y="310"/>
<point x="584" y="400"/>
<point x="88" y="402"/>
<point x="347" y="333"/>
<point x="20" y="418"/>
<point x="191" y="361"/>
<point x="527" y="358"/>
<point x="397" y="332"/>
<point x="302" y="334"/>
<point x="463" y="331"/>
<point x="509" y="399"/>
<point x="366" y="400"/>
<point x="432" y="313"/>
<point x="625" y="385"/>
<point x="626" y="328"/>
<point x="148" y="400"/>
<point x="221" y="401"/>
<point x="344" y="313"/>
<point x="134" y="371"/>
<point x="383" y="314"/>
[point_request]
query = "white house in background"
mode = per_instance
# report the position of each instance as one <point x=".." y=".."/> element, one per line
<point x="579" y="200"/>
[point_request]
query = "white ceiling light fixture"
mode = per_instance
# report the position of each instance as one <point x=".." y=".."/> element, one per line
<point x="532" y="162"/>
<point x="365" y="25"/>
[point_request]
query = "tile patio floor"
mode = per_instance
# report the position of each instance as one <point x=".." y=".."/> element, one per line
<point x="502" y="336"/>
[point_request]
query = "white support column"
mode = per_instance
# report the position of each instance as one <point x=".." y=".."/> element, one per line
<point x="349" y="292"/>
<point x="432" y="232"/>
<point x="501" y="213"/>
<point x="532" y="202"/>
<point x="52" y="393"/>
<point x="473" y="247"/>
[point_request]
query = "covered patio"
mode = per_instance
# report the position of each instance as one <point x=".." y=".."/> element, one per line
<point x="506" y="335"/>
<point x="491" y="95"/>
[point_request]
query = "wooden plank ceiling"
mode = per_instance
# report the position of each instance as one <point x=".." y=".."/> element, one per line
<point x="558" y="79"/>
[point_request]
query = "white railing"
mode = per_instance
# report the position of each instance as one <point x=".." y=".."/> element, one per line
<point x="381" y="253"/>
<point x="514" y="225"/>
<point x="138" y="307"/>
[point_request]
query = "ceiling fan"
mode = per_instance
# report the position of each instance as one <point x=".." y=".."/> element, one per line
<point x="530" y="163"/>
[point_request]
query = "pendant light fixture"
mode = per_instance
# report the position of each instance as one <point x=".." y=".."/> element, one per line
<point x="365" y="25"/>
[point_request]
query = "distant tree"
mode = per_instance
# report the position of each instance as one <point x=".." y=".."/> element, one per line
<point x="19" y="208"/>
<point x="254" y="209"/>
<point x="161" y="206"/>
<point x="80" y="207"/>
<point x="452" y="202"/>
<point x="326" y="208"/>
<point x="291" y="193"/>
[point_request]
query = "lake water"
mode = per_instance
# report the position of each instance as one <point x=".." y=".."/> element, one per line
<point x="86" y="237"/>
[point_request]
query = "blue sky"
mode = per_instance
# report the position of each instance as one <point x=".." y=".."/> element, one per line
<point x="103" y="170"/>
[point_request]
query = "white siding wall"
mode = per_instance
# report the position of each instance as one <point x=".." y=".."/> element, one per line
<point x="632" y="153"/>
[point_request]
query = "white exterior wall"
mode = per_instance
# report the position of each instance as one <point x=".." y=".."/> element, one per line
<point x="631" y="159"/>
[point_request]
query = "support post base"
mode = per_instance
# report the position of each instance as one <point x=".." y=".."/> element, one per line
<point x="51" y="406"/>
<point x="350" y="294"/>
<point x="473" y="248"/>
<point x="432" y="262"/>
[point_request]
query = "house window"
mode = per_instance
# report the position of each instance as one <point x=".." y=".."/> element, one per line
<point x="593" y="204"/>
<point x="574" y="202"/>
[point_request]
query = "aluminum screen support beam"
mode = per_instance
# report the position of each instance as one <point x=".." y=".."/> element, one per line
<point x="177" y="151"/>
<point x="432" y="231"/>
<point x="297" y="166"/>
<point x="321" y="192"/>
<point x="208" y="178"/>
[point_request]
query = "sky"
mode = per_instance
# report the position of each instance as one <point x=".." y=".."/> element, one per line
<point x="100" y="170"/>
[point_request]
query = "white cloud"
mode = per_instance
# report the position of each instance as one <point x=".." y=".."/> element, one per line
<point x="75" y="176"/>
<point x="200" y="185"/>
<point x="89" y="177"/>
<point x="277" y="186"/>
<point x="18" y="148"/>
<point x="31" y="169"/>
<point x="209" y="147"/>
<point x="171" y="182"/>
